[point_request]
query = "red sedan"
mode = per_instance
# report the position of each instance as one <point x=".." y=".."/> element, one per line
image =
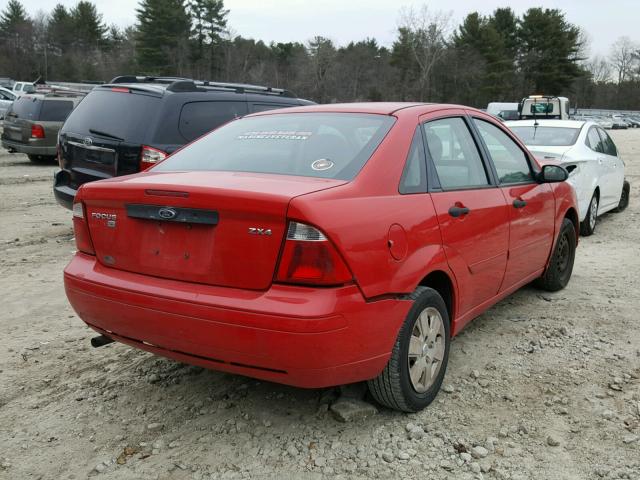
<point x="323" y="245"/>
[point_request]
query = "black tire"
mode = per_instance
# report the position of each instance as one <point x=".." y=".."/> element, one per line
<point x="624" y="197"/>
<point x="560" y="266"/>
<point x="393" y="387"/>
<point x="41" y="158"/>
<point x="588" y="225"/>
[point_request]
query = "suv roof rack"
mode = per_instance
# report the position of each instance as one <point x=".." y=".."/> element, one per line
<point x="180" y="84"/>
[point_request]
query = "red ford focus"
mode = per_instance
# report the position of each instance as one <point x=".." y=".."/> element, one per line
<point x="323" y="245"/>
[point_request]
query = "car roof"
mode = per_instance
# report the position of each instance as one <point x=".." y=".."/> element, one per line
<point x="546" y="123"/>
<point x="380" y="108"/>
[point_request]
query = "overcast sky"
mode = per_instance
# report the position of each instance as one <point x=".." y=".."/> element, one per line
<point x="346" y="20"/>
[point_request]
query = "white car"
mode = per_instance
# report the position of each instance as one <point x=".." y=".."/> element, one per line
<point x="596" y="170"/>
<point x="6" y="99"/>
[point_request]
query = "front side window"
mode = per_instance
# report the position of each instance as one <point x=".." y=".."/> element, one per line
<point x="454" y="154"/>
<point x="323" y="145"/>
<point x="414" y="176"/>
<point x="508" y="158"/>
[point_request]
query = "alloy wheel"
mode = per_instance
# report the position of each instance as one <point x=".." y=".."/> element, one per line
<point x="426" y="349"/>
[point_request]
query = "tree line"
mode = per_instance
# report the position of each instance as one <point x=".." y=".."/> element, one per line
<point x="496" y="57"/>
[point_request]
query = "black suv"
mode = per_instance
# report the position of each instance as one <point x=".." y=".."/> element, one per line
<point x="133" y="122"/>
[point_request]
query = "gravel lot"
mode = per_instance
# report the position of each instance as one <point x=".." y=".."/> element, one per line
<point x="543" y="386"/>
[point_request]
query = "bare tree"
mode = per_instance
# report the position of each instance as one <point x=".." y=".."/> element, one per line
<point x="600" y="69"/>
<point x="427" y="33"/>
<point x="623" y="58"/>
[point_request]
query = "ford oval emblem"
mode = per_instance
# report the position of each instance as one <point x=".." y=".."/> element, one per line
<point x="167" y="213"/>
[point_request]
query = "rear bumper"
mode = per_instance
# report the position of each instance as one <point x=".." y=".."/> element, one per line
<point x="28" y="149"/>
<point x="293" y="335"/>
<point x="62" y="189"/>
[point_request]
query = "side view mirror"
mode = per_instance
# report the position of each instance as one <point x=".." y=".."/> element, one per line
<point x="553" y="174"/>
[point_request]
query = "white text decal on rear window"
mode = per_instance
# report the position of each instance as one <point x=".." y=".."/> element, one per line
<point x="275" y="135"/>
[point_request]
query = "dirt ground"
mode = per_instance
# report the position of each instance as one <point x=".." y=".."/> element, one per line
<point x="543" y="386"/>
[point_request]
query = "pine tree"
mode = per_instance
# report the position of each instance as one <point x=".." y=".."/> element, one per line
<point x="88" y="29"/>
<point x="12" y="19"/>
<point x="164" y="28"/>
<point x="550" y="51"/>
<point x="60" y="28"/>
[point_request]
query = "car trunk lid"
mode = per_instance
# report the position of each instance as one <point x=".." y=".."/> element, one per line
<point x="218" y="228"/>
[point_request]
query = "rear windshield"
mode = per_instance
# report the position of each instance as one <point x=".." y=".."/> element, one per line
<point x="55" y="110"/>
<point x="119" y="114"/>
<point x="27" y="108"/>
<point x="326" y="145"/>
<point x="547" y="136"/>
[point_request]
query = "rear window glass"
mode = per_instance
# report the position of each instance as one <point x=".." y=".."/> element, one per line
<point x="119" y="114"/>
<point x="198" y="118"/>
<point x="27" y="108"/>
<point x="326" y="145"/>
<point x="55" y="110"/>
<point x="547" y="136"/>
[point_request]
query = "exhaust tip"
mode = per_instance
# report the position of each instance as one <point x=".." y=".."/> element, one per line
<point x="101" y="341"/>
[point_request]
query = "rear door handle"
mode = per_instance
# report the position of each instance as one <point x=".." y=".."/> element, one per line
<point x="456" y="211"/>
<point x="518" y="203"/>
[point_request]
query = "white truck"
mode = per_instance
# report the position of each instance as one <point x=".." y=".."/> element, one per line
<point x="22" y="88"/>
<point x="544" y="106"/>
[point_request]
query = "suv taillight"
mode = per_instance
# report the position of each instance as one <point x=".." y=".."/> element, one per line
<point x="309" y="258"/>
<point x="37" y="131"/>
<point x="81" y="229"/>
<point x="150" y="156"/>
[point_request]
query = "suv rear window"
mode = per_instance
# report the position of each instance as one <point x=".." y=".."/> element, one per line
<point x="55" y="110"/>
<point x="327" y="145"/>
<point x="120" y="114"/>
<point x="27" y="108"/>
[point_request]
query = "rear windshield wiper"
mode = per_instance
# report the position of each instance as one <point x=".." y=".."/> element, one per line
<point x="105" y="134"/>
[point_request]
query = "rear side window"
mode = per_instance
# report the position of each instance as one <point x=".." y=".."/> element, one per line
<point x="27" y="108"/>
<point x="325" y="145"/>
<point x="119" y="114"/>
<point x="198" y="118"/>
<point x="55" y="110"/>
<point x="510" y="161"/>
<point x="414" y="176"/>
<point x="607" y="144"/>
<point x="594" y="142"/>
<point x="454" y="154"/>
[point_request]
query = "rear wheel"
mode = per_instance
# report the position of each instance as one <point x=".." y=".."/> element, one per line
<point x="588" y="225"/>
<point x="560" y="266"/>
<point x="624" y="197"/>
<point x="413" y="376"/>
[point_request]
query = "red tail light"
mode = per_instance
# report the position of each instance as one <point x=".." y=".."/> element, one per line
<point x="81" y="229"/>
<point x="309" y="258"/>
<point x="150" y="156"/>
<point x="37" y="131"/>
